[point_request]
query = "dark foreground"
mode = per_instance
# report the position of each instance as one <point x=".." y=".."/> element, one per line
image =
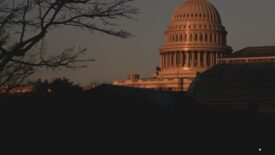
<point x="128" y="121"/>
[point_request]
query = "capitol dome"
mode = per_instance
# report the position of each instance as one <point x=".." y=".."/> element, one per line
<point x="195" y="39"/>
<point x="197" y="10"/>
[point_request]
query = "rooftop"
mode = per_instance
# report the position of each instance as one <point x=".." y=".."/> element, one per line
<point x="262" y="51"/>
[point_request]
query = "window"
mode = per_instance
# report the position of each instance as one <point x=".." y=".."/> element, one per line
<point x="205" y="37"/>
<point x="180" y="37"/>
<point x="201" y="37"/>
<point x="196" y="37"/>
<point x="210" y="38"/>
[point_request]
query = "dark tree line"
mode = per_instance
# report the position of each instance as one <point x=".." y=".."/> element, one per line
<point x="24" y="24"/>
<point x="59" y="86"/>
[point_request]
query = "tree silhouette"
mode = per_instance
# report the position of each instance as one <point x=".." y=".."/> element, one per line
<point x="64" y="87"/>
<point x="41" y="88"/>
<point x="25" y="23"/>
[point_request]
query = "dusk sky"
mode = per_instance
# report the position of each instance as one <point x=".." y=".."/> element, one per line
<point x="248" y="22"/>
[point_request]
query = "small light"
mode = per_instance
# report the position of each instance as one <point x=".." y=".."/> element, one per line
<point x="260" y="149"/>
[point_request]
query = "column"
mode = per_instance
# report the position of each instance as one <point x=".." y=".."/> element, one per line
<point x="192" y="59"/>
<point x="175" y="59"/>
<point x="166" y="63"/>
<point x="181" y="58"/>
<point x="214" y="58"/>
<point x="217" y="38"/>
<point x="217" y="56"/>
<point x="171" y="60"/>
<point x="168" y="60"/>
<point x="165" y="60"/>
<point x="205" y="59"/>
<point x="161" y="60"/>
<point x="187" y="59"/>
<point x="199" y="58"/>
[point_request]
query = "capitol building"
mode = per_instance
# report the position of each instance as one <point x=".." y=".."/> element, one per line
<point x="195" y="40"/>
<point x="195" y="48"/>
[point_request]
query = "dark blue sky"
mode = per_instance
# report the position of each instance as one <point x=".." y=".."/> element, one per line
<point x="248" y="22"/>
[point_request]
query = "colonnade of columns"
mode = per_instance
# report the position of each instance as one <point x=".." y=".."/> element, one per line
<point x="189" y="59"/>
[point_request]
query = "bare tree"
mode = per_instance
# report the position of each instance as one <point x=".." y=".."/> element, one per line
<point x="25" y="23"/>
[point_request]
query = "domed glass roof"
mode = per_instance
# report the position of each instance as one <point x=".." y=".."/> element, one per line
<point x="196" y="10"/>
<point x="235" y="84"/>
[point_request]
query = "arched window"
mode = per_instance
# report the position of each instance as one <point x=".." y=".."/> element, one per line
<point x="180" y="37"/>
<point x="205" y="37"/>
<point x="201" y="37"/>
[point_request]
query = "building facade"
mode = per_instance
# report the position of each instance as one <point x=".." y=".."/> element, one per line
<point x="195" y="40"/>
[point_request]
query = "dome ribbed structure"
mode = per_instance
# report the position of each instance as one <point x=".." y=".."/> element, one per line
<point x="197" y="10"/>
